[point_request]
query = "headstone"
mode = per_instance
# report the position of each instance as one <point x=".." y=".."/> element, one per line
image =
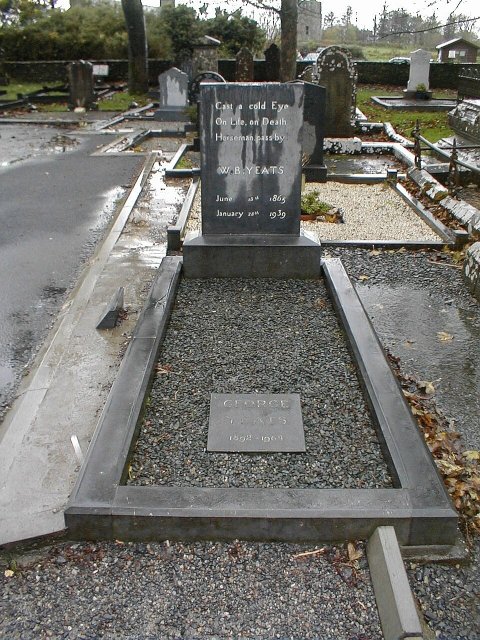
<point x="251" y="147"/>
<point x="465" y="119"/>
<point x="418" y="81"/>
<point x="3" y="74"/>
<point x="244" y="66"/>
<point x="251" y="158"/>
<point x="255" y="423"/>
<point x="80" y="78"/>
<point x="272" y="63"/>
<point x="173" y="91"/>
<point x="314" y="105"/>
<point x="337" y="73"/>
<point x="205" y="55"/>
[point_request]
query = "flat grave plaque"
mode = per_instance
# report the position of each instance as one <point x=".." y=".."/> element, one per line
<point x="251" y="158"/>
<point x="256" y="423"/>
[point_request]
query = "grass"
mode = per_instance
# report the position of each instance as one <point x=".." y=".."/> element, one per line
<point x="14" y="88"/>
<point x="120" y="101"/>
<point x="433" y="125"/>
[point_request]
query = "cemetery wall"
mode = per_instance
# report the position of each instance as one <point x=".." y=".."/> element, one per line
<point x="442" y="75"/>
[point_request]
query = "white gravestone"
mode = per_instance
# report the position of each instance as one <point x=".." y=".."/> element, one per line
<point x="419" y="70"/>
<point x="173" y="89"/>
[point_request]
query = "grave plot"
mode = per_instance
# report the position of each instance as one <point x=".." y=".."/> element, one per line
<point x="256" y="336"/>
<point x="372" y="214"/>
<point x="255" y="344"/>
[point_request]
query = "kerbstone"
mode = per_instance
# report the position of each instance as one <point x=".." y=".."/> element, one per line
<point x="396" y="607"/>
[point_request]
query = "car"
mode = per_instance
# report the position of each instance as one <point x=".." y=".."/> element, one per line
<point x="400" y="60"/>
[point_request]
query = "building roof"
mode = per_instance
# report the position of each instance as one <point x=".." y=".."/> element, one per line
<point x="454" y="41"/>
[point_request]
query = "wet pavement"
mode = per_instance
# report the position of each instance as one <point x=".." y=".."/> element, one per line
<point x="55" y="203"/>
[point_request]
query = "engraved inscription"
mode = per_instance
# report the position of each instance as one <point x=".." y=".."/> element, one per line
<point x="255" y="423"/>
<point x="251" y="153"/>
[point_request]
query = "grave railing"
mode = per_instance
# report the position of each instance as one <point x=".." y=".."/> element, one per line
<point x="453" y="180"/>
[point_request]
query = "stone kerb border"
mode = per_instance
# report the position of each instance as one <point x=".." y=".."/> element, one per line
<point x="101" y="507"/>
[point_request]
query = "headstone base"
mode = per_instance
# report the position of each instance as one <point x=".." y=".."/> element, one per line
<point x="417" y="95"/>
<point x="266" y="256"/>
<point x="171" y="114"/>
<point x="315" y="173"/>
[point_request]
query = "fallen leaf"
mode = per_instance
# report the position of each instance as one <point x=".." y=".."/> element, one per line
<point x="426" y="386"/>
<point x="443" y="336"/>
<point x="353" y="553"/>
<point x="9" y="573"/>
<point x="363" y="277"/>
<point x="375" y="252"/>
<point x="471" y="455"/>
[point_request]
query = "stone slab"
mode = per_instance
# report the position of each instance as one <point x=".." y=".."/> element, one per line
<point x="396" y="607"/>
<point x="255" y="423"/>
<point x="251" y="148"/>
<point x="227" y="256"/>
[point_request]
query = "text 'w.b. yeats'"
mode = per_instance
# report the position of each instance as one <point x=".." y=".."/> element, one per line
<point x="251" y="158"/>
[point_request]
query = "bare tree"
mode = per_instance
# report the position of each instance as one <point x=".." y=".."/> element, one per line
<point x="137" y="46"/>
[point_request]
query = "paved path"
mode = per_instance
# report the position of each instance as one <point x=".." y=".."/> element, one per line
<point x="54" y="205"/>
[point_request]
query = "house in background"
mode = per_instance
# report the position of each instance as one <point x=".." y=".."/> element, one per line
<point x="457" y="50"/>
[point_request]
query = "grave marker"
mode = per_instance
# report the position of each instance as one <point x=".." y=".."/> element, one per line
<point x="251" y="158"/>
<point x="244" y="65"/>
<point x="173" y="88"/>
<point x="337" y="73"/>
<point x="251" y="150"/>
<point x="418" y="81"/>
<point x="255" y="423"/>
<point x="80" y="79"/>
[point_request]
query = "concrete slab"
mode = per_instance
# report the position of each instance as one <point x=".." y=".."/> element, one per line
<point x="396" y="607"/>
<point x="68" y="386"/>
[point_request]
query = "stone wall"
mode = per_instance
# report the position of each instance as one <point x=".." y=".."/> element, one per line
<point x="442" y="76"/>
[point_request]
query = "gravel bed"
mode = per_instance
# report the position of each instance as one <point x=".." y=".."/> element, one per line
<point x="370" y="212"/>
<point x="207" y="591"/>
<point x="449" y="596"/>
<point x="265" y="336"/>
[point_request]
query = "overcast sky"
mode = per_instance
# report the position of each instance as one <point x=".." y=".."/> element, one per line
<point x="364" y="12"/>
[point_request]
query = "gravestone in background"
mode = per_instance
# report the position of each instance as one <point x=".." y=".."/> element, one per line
<point x="465" y="120"/>
<point x="205" y="55"/>
<point x="272" y="63"/>
<point x="251" y="147"/>
<point x="419" y="81"/>
<point x="173" y="91"/>
<point x="244" y="66"/>
<point x="80" y="80"/>
<point x="314" y="168"/>
<point x="337" y="73"/>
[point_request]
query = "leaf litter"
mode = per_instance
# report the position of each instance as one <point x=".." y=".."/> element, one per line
<point x="459" y="468"/>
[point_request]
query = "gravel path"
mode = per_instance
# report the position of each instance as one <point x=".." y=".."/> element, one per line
<point x="221" y="591"/>
<point x="370" y="212"/>
<point x="388" y="281"/>
<point x="248" y="336"/>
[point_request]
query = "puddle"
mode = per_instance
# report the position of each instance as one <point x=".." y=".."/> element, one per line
<point x="412" y="323"/>
<point x="20" y="143"/>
